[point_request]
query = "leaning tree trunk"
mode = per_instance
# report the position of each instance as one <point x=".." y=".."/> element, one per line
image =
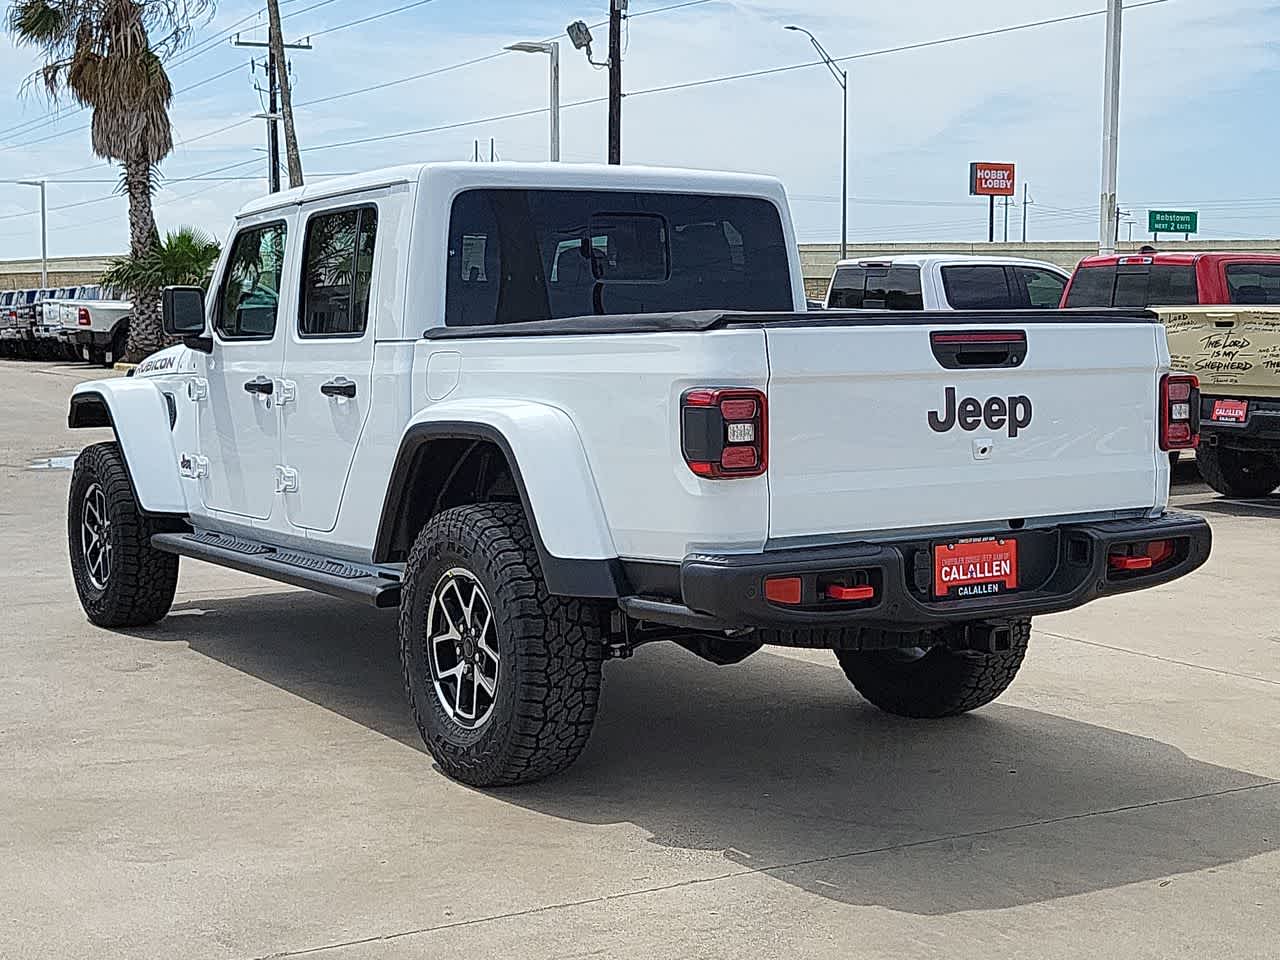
<point x="146" y="335"/>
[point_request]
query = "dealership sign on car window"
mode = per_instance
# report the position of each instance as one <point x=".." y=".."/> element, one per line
<point x="991" y="179"/>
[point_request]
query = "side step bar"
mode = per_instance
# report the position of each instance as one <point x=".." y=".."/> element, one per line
<point x="336" y="578"/>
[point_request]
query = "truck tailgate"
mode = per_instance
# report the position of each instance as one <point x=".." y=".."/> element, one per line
<point x="868" y="431"/>
<point x="1234" y="351"/>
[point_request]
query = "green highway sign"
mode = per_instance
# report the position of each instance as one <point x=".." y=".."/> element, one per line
<point x="1172" y="221"/>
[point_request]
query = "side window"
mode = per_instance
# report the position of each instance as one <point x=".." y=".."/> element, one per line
<point x="250" y="292"/>
<point x="336" y="274"/>
<point x="848" y="287"/>
<point x="1254" y="282"/>
<point x="1044" y="288"/>
<point x="977" y="288"/>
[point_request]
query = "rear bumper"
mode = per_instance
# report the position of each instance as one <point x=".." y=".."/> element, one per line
<point x="1261" y="429"/>
<point x="1064" y="567"/>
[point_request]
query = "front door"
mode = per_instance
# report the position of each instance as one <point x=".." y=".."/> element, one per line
<point x="329" y="357"/>
<point x="239" y="419"/>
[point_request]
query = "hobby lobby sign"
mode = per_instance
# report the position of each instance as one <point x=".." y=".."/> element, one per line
<point x="991" y="179"/>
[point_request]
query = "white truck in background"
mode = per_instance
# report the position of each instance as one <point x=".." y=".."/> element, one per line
<point x="95" y="325"/>
<point x="551" y="412"/>
<point x="945" y="282"/>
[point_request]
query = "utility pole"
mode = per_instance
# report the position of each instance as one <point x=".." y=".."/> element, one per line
<point x="278" y="85"/>
<point x="616" y="10"/>
<point x="1110" y="130"/>
<point x="1026" y="202"/>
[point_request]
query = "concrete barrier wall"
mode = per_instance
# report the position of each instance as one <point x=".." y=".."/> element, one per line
<point x="63" y="272"/>
<point x="818" y="260"/>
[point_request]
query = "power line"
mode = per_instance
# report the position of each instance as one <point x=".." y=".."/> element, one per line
<point x="902" y="48"/>
<point x="368" y="19"/>
<point x="204" y="47"/>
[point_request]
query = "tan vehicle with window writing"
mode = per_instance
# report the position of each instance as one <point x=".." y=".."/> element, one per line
<point x="1235" y="351"/>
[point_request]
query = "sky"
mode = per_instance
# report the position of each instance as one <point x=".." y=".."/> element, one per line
<point x="1200" y="84"/>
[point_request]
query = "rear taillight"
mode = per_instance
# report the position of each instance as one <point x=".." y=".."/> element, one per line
<point x="724" y="434"/>
<point x="82" y="316"/>
<point x="1179" y="412"/>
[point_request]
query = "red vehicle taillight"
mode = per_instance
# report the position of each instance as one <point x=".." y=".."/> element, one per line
<point x="1179" y="412"/>
<point x="82" y="316"/>
<point x="724" y="434"/>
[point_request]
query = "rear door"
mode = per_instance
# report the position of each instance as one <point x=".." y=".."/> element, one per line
<point x="329" y="357"/>
<point x="869" y="431"/>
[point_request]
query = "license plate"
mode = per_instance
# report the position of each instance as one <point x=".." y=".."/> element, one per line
<point x="1230" y="411"/>
<point x="975" y="568"/>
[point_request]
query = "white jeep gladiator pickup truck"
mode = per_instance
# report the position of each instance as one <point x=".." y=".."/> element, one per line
<point x="552" y="412"/>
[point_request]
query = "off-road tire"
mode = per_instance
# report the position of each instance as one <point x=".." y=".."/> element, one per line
<point x="1241" y="474"/>
<point x="141" y="582"/>
<point x="940" y="683"/>
<point x="551" y="650"/>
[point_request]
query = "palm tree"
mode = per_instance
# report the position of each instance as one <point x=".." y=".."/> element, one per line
<point x="107" y="55"/>
<point x="185" y="257"/>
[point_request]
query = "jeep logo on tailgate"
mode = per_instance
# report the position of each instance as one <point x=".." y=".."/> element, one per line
<point x="971" y="413"/>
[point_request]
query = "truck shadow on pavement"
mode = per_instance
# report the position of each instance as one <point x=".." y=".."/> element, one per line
<point x="779" y="768"/>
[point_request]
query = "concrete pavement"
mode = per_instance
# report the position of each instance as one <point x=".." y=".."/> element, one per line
<point x="244" y="781"/>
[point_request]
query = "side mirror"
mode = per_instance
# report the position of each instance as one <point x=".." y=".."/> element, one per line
<point x="182" y="309"/>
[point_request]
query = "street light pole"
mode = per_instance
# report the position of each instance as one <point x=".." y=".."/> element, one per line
<point x="552" y="49"/>
<point x="1110" y="130"/>
<point x="44" y="227"/>
<point x="842" y="78"/>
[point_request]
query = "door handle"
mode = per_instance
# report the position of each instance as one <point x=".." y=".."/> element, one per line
<point x="339" y="387"/>
<point x="263" y="385"/>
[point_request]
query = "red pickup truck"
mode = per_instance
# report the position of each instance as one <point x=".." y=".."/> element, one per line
<point x="1174" y="279"/>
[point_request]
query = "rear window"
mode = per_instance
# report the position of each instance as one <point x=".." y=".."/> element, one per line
<point x="1257" y="283"/>
<point x="1134" y="285"/>
<point x="978" y="288"/>
<point x="521" y="255"/>
<point x="876" y="288"/>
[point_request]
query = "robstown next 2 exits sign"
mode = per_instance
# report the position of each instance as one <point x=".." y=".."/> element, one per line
<point x="991" y="179"/>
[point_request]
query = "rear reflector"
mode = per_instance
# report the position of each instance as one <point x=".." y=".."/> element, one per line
<point x="1131" y="563"/>
<point x="865" y="592"/>
<point x="1141" y="556"/>
<point x="783" y="590"/>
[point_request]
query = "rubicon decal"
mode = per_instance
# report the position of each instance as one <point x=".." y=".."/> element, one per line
<point x="996" y="413"/>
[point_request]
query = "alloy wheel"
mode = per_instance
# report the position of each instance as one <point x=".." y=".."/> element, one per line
<point x="462" y="648"/>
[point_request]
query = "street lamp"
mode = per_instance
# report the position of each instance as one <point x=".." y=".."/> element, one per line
<point x="842" y="78"/>
<point x="44" y="227"/>
<point x="552" y="49"/>
<point x="1110" y="129"/>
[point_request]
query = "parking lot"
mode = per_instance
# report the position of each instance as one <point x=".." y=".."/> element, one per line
<point x="245" y="781"/>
